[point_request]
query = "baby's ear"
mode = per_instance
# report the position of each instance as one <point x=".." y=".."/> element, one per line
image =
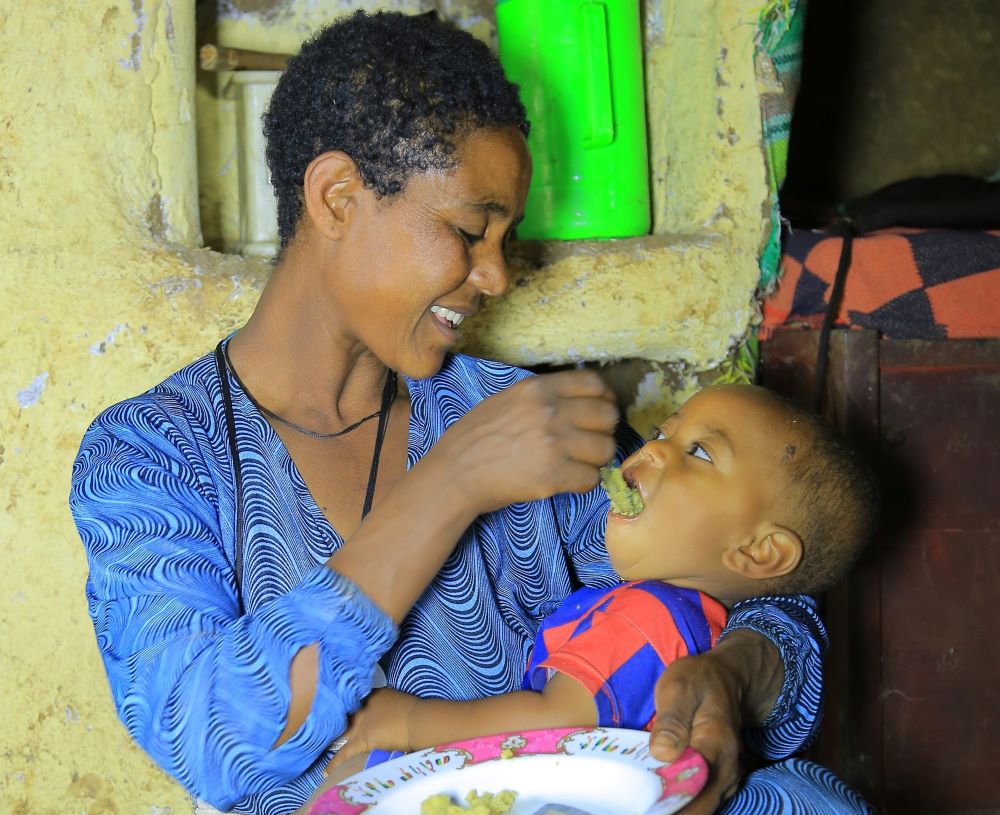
<point x="774" y="551"/>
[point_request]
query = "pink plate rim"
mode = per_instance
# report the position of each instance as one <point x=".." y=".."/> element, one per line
<point x="680" y="780"/>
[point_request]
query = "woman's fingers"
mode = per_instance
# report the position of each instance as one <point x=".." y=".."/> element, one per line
<point x="592" y="413"/>
<point x="540" y="469"/>
<point x="572" y="476"/>
<point x="716" y="741"/>
<point x="551" y="404"/>
<point x="591" y="447"/>
<point x="544" y="435"/>
<point x="565" y="386"/>
<point x="712" y="795"/>
<point x="696" y="698"/>
<point x="576" y="383"/>
<point x="698" y="705"/>
<point x="671" y="730"/>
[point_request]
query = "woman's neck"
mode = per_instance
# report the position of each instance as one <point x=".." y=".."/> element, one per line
<point x="292" y="357"/>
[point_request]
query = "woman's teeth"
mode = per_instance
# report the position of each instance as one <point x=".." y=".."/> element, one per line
<point x="452" y="317"/>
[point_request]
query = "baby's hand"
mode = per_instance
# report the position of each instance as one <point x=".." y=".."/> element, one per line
<point x="382" y="723"/>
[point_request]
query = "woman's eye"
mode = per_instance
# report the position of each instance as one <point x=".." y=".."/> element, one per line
<point x="698" y="451"/>
<point x="658" y="435"/>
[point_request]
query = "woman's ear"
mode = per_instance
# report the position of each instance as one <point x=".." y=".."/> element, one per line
<point x="331" y="185"/>
<point x="775" y="552"/>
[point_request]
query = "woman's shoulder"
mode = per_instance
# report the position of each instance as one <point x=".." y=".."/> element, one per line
<point x="184" y="401"/>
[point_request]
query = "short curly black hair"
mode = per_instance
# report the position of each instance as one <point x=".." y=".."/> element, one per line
<point x="395" y="92"/>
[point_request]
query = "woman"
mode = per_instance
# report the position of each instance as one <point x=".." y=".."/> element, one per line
<point x="242" y="607"/>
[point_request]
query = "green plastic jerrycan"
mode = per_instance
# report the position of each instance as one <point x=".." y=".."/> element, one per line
<point x="579" y="66"/>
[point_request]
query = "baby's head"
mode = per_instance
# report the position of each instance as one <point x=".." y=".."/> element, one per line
<point x="744" y="493"/>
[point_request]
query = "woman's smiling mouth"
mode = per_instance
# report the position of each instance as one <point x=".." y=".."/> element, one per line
<point x="447" y="317"/>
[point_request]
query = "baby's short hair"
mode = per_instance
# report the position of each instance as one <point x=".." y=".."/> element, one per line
<point x="830" y="495"/>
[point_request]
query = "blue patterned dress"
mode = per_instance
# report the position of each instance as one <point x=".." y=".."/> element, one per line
<point x="202" y="685"/>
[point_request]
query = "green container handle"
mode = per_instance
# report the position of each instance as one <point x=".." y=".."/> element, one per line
<point x="600" y="120"/>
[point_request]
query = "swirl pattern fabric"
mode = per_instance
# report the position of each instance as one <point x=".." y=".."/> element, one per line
<point x="795" y="787"/>
<point x="204" y="689"/>
<point x="794" y="626"/>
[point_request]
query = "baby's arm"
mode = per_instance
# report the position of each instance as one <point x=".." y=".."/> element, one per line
<point x="391" y="720"/>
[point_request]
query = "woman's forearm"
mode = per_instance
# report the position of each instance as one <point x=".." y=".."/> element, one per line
<point x="542" y="436"/>
<point x="792" y="625"/>
<point x="303" y="675"/>
<point x="202" y="690"/>
<point x="392" y="557"/>
<point x="756" y="664"/>
<point x="406" y="538"/>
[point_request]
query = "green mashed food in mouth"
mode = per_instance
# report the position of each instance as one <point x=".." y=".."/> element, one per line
<point x="625" y="500"/>
<point x="485" y="804"/>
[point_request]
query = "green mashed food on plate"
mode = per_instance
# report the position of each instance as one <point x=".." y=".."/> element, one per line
<point x="485" y="804"/>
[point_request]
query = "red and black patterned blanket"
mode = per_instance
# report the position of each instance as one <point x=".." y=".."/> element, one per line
<point x="906" y="283"/>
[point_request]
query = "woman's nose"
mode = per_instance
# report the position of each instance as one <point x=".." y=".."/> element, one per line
<point x="489" y="270"/>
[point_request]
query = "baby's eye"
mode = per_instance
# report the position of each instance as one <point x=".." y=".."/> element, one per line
<point x="698" y="451"/>
<point x="665" y="429"/>
<point x="467" y="237"/>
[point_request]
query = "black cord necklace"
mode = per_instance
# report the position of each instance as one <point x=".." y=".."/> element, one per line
<point x="223" y="365"/>
<point x="389" y="387"/>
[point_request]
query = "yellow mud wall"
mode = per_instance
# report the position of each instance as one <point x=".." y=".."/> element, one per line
<point x="96" y="118"/>
<point x="104" y="291"/>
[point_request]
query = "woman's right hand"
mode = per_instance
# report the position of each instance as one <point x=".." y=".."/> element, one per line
<point x="543" y="435"/>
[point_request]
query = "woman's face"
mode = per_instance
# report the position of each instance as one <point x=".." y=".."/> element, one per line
<point x="421" y="262"/>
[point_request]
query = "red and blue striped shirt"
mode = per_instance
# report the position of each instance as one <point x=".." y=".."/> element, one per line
<point x="617" y="641"/>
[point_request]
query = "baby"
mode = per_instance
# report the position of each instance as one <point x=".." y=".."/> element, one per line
<point x="742" y="494"/>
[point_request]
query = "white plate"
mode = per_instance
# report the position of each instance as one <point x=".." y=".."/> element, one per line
<point x="601" y="770"/>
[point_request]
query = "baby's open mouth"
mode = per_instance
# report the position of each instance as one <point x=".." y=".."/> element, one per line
<point x="625" y="499"/>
